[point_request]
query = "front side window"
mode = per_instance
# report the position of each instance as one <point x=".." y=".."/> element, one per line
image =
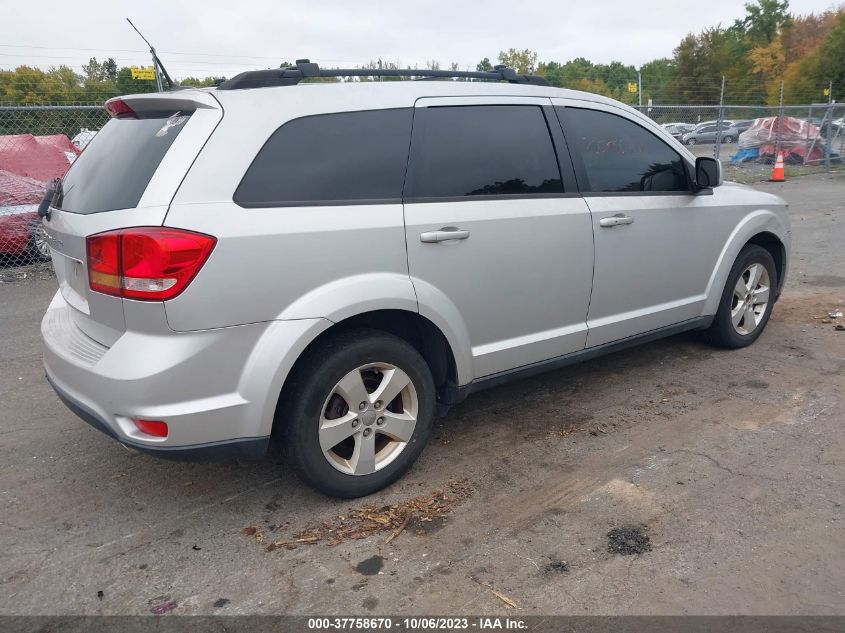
<point x="620" y="156"/>
<point x="331" y="158"/>
<point x="483" y="150"/>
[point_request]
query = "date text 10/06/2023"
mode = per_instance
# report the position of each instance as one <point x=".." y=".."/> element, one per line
<point x="417" y="623"/>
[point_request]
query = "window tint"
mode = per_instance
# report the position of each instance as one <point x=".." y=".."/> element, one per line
<point x="619" y="155"/>
<point x="481" y="150"/>
<point x="331" y="158"/>
<point x="117" y="165"/>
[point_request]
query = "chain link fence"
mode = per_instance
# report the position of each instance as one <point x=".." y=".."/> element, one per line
<point x="38" y="143"/>
<point x="747" y="139"/>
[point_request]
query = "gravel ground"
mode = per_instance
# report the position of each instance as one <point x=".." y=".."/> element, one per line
<point x="668" y="479"/>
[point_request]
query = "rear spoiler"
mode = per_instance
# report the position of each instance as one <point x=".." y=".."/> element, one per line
<point x="157" y="103"/>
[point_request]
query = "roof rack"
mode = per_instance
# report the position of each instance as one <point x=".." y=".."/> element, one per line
<point x="304" y="69"/>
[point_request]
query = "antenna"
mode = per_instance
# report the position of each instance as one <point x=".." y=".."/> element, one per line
<point x="158" y="67"/>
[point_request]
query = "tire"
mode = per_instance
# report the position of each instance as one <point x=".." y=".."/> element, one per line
<point x="38" y="249"/>
<point x="728" y="139"/>
<point x="690" y="141"/>
<point x="314" y="412"/>
<point x="734" y="326"/>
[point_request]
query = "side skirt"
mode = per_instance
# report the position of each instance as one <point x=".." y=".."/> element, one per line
<point x="457" y="394"/>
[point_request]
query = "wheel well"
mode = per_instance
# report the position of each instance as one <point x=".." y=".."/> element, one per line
<point x="772" y="243"/>
<point x="421" y="333"/>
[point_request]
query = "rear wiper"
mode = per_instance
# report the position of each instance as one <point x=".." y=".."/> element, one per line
<point x="52" y="197"/>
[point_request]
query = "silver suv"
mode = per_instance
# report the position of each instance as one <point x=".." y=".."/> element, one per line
<point x="332" y="265"/>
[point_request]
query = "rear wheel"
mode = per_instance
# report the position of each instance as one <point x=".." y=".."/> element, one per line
<point x="358" y="412"/>
<point x="728" y="139"/>
<point x="747" y="299"/>
<point x="690" y="141"/>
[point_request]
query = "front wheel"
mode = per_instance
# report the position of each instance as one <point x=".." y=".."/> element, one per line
<point x="690" y="141"/>
<point x="747" y="299"/>
<point x="728" y="140"/>
<point x="358" y="412"/>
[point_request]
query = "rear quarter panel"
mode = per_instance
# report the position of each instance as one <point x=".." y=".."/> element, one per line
<point x="284" y="262"/>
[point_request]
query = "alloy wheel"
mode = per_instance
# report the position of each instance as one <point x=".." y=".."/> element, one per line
<point x="39" y="241"/>
<point x="368" y="418"/>
<point x="750" y="299"/>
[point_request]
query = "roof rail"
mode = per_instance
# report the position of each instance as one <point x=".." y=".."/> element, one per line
<point x="304" y="69"/>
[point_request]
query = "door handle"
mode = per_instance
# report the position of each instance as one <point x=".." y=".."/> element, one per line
<point x="444" y="234"/>
<point x="616" y="220"/>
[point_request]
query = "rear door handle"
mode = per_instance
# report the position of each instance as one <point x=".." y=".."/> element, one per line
<point x="444" y="234"/>
<point x="616" y="220"/>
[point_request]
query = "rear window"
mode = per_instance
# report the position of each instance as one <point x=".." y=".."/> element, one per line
<point x="331" y="159"/>
<point x="115" y="168"/>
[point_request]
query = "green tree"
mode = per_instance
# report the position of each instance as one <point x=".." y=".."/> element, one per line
<point x="126" y="85"/>
<point x="523" y="62"/>
<point x="832" y="58"/>
<point x="196" y="82"/>
<point x="95" y="71"/>
<point x="763" y="20"/>
<point x="657" y="76"/>
<point x="484" y="66"/>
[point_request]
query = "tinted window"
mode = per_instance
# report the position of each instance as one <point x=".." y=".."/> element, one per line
<point x="331" y="158"/>
<point x="117" y="165"/>
<point x="619" y="155"/>
<point x="481" y="150"/>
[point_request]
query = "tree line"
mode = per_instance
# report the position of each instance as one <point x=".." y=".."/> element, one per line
<point x="769" y="45"/>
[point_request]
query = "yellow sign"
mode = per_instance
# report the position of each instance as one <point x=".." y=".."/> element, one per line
<point x="147" y="73"/>
<point x="632" y="87"/>
<point x="827" y="92"/>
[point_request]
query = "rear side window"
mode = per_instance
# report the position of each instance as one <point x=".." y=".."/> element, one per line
<point x="116" y="166"/>
<point x="480" y="151"/>
<point x="331" y="158"/>
<point x="620" y="156"/>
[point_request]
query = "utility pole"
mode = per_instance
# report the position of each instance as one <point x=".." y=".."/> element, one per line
<point x="829" y="117"/>
<point x="718" y="149"/>
<point x="640" y="88"/>
<point x="780" y="122"/>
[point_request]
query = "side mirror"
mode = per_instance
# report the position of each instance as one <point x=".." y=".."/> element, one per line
<point x="708" y="172"/>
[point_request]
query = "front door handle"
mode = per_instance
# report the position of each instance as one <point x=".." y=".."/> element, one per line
<point x="616" y="220"/>
<point x="444" y="234"/>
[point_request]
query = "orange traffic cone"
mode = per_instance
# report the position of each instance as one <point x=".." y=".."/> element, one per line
<point x="777" y="170"/>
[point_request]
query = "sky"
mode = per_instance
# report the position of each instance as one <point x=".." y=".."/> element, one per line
<point x="212" y="38"/>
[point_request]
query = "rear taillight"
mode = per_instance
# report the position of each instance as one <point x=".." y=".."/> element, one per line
<point x="119" y="109"/>
<point x="146" y="263"/>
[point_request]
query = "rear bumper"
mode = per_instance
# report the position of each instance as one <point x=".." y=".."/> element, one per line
<point x="216" y="389"/>
<point x="245" y="448"/>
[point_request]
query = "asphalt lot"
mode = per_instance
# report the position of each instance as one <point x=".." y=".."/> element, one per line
<point x="731" y="463"/>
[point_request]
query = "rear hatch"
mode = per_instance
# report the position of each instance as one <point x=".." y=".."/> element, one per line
<point x="125" y="177"/>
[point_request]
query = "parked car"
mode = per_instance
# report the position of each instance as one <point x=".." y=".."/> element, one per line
<point x="677" y="130"/>
<point x="738" y="127"/>
<point x="26" y="163"/>
<point x="709" y="134"/>
<point x="725" y="123"/>
<point x="21" y="232"/>
<point x="81" y="140"/>
<point x="331" y="266"/>
<point x="827" y="127"/>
